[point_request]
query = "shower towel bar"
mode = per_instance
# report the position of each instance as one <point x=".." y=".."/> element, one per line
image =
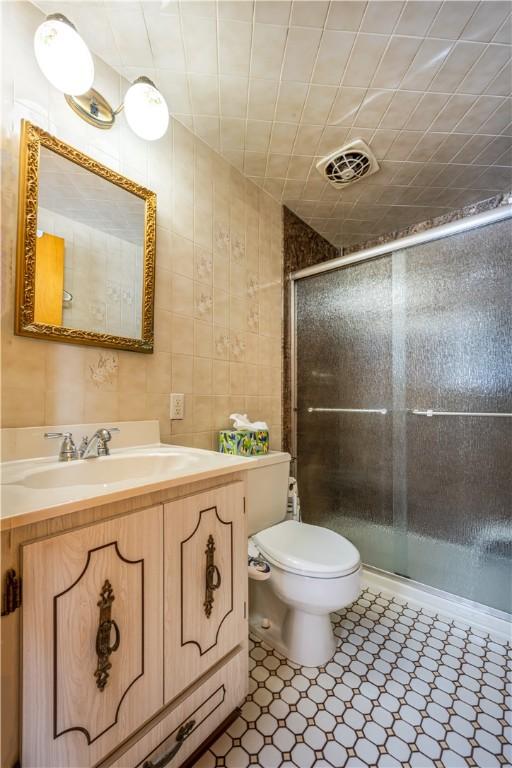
<point x="382" y="411"/>
<point x="458" y="413"/>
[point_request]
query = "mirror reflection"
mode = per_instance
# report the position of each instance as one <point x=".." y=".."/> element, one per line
<point x="89" y="251"/>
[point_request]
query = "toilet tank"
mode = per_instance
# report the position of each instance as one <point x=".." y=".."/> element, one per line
<point x="267" y="490"/>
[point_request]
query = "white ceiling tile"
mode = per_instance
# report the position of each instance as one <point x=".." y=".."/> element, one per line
<point x="198" y="8"/>
<point x="480" y="76"/>
<point x="426" y="146"/>
<point x="485" y="22"/>
<point x="262" y="99"/>
<point x="290" y="102"/>
<point x="343" y="15"/>
<point x="332" y="138"/>
<point x="277" y="165"/>
<point x="299" y="167"/>
<point x="450" y="147"/>
<point x="452" y="18"/>
<point x="400" y="109"/>
<point x="396" y="61"/>
<point x="472" y="148"/>
<point x="301" y="49"/>
<point x="309" y="14"/>
<point x="130" y="35"/>
<point x="504" y="33"/>
<point x="234" y="47"/>
<point x="232" y="133"/>
<point x="272" y="11"/>
<point x="497" y="151"/>
<point x="381" y="17"/>
<point x="417" y="17"/>
<point x="454" y="111"/>
<point x="428" y="108"/>
<point x="429" y="59"/>
<point x="176" y="93"/>
<point x="500" y="86"/>
<point x="477" y="115"/>
<point x="307" y="138"/>
<point x="233" y="96"/>
<point x="346" y="105"/>
<point x="283" y="136"/>
<point x="364" y="58"/>
<point x="381" y="142"/>
<point x="318" y="104"/>
<point x="257" y="136"/>
<point x="204" y="94"/>
<point x="166" y="41"/>
<point x="373" y="107"/>
<point x="499" y="119"/>
<point x="335" y="47"/>
<point x="456" y="66"/>
<point x="268" y="50"/>
<point x="200" y="37"/>
<point x="279" y="114"/>
<point x="235" y="9"/>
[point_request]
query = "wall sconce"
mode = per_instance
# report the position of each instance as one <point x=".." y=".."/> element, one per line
<point x="66" y="62"/>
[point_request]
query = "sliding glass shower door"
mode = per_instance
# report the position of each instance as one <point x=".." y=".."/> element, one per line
<point x="403" y="381"/>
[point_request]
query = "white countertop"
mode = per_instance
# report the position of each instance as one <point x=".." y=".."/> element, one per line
<point x="41" y="488"/>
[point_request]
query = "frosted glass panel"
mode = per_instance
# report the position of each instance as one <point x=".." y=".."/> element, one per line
<point x="458" y="341"/>
<point x="426" y="328"/>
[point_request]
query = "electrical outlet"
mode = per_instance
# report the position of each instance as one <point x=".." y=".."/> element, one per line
<point x="177" y="406"/>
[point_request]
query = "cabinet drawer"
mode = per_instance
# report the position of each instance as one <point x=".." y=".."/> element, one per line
<point x="205" y="583"/>
<point x="191" y="721"/>
<point x="92" y="639"/>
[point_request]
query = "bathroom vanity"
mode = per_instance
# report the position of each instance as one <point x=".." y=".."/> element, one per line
<point x="129" y="647"/>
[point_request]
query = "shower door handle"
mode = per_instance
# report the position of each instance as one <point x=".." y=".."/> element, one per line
<point x="431" y="413"/>
<point x="382" y="411"/>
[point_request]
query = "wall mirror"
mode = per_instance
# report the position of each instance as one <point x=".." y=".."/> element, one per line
<point x="86" y="249"/>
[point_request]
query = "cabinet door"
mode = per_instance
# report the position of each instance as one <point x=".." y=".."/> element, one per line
<point x="92" y="629"/>
<point x="205" y="583"/>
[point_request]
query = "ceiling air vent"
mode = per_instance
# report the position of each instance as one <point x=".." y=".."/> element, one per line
<point x="349" y="164"/>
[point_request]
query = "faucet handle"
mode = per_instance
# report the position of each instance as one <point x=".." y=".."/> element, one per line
<point x="67" y="450"/>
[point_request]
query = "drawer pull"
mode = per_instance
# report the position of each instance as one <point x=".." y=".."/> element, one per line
<point x="213" y="579"/>
<point x="103" y="647"/>
<point x="183" y="733"/>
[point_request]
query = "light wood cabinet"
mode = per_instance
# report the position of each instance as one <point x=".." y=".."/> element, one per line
<point x="79" y="700"/>
<point x="131" y="627"/>
<point x="205" y="583"/>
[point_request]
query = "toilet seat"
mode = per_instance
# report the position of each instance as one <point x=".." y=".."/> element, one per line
<point x="308" y="550"/>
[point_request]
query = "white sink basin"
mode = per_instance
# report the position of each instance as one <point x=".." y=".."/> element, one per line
<point x="43" y="484"/>
<point x="108" y="470"/>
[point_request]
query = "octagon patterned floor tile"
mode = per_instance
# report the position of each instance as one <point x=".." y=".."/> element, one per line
<point x="406" y="688"/>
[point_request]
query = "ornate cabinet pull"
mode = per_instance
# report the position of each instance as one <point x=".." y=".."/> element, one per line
<point x="183" y="733"/>
<point x="213" y="579"/>
<point x="103" y="647"/>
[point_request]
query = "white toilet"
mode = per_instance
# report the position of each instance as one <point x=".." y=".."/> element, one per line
<point x="314" y="570"/>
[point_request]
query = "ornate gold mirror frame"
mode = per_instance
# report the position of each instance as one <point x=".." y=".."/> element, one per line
<point x="32" y="139"/>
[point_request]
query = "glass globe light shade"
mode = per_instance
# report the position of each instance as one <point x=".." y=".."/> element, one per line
<point x="64" y="58"/>
<point x="146" y="110"/>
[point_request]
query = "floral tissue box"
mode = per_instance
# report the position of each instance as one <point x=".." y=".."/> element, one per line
<point x="244" y="442"/>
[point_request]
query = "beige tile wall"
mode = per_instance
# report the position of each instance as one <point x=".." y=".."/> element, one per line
<point x="218" y="321"/>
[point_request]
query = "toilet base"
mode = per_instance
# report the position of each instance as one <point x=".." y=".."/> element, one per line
<point x="274" y="622"/>
<point x="308" y="637"/>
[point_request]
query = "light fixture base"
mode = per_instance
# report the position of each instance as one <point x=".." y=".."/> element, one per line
<point x="93" y="108"/>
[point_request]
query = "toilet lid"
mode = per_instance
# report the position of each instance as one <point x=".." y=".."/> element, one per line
<point x="308" y="549"/>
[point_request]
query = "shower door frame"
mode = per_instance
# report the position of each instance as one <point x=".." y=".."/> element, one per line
<point x="435" y="233"/>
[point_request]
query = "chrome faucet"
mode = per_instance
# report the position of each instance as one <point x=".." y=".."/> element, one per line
<point x="98" y="444"/>
<point x="68" y="450"/>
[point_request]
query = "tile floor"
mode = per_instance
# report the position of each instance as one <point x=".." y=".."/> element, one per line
<point x="406" y="687"/>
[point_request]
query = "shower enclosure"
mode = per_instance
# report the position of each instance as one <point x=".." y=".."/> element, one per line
<point x="402" y="379"/>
